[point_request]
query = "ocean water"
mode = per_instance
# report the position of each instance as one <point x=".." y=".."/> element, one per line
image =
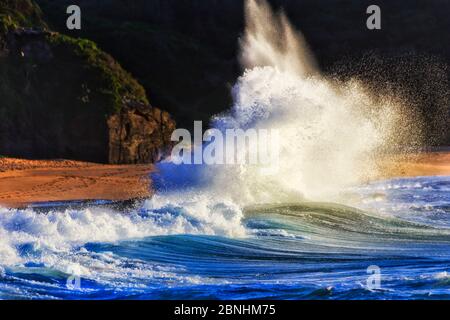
<point x="280" y="251"/>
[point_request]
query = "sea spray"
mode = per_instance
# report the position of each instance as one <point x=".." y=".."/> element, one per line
<point x="332" y="133"/>
<point x="270" y="40"/>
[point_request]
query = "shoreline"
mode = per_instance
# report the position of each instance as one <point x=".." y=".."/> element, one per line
<point x="27" y="182"/>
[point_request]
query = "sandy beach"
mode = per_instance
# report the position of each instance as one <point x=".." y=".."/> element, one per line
<point x="29" y="181"/>
<point x="23" y="182"/>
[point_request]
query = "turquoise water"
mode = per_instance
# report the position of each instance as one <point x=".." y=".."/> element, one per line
<point x="275" y="251"/>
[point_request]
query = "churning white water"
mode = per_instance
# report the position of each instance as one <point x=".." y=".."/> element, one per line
<point x="331" y="133"/>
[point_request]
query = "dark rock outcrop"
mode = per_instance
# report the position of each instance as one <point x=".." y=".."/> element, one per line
<point x="139" y="134"/>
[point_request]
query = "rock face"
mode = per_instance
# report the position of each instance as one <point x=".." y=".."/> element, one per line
<point x="62" y="97"/>
<point x="139" y="134"/>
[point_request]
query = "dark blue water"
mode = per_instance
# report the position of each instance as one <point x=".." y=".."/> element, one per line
<point x="275" y="251"/>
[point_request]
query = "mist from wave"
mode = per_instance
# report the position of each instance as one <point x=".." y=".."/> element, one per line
<point x="331" y="133"/>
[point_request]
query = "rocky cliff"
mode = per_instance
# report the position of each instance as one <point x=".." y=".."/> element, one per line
<point x="62" y="97"/>
<point x="139" y="134"/>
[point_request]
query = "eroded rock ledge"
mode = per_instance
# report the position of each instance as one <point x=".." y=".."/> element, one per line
<point x="139" y="134"/>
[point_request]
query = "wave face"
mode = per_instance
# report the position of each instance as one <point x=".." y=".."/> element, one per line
<point x="233" y="232"/>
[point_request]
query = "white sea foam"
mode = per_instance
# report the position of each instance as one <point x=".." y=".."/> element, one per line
<point x="24" y="234"/>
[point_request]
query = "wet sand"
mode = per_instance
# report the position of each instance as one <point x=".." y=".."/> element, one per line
<point x="23" y="182"/>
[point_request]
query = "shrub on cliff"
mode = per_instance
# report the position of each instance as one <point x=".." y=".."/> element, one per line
<point x="109" y="79"/>
<point x="19" y="13"/>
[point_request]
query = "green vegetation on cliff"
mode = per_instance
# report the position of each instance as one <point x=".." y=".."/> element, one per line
<point x="73" y="72"/>
<point x="43" y="58"/>
<point x="109" y="79"/>
<point x="19" y="13"/>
